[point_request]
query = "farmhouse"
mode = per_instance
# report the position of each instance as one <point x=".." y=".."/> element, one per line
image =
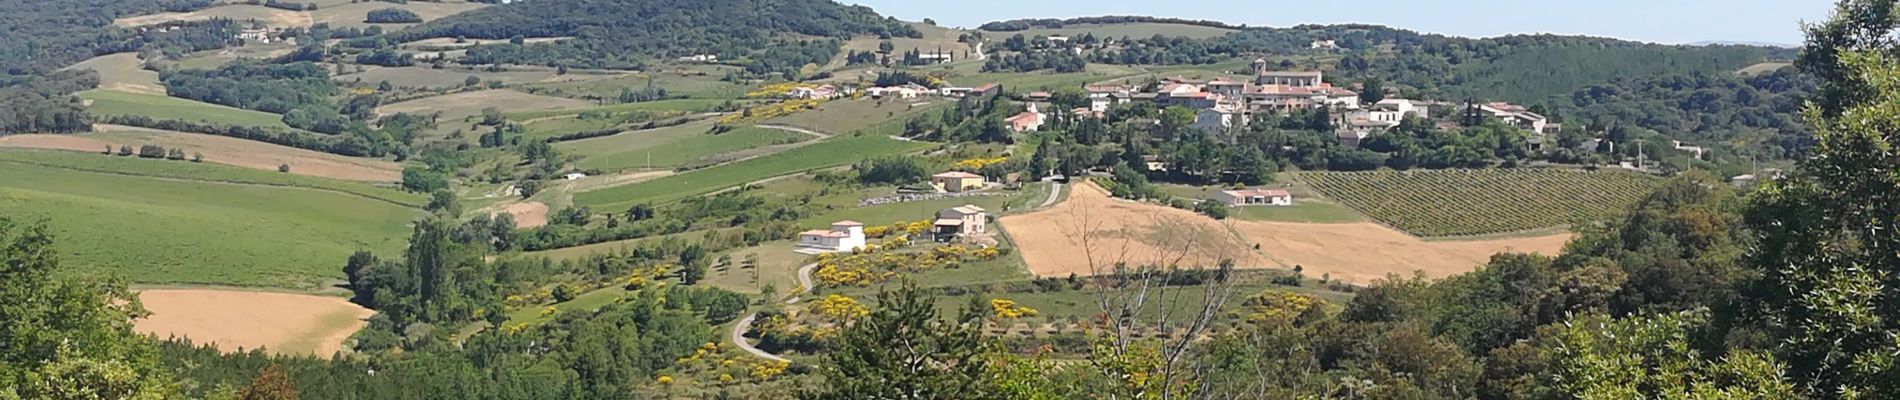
<point x="961" y="221"/>
<point x="1027" y="121"/>
<point x="574" y="176"/>
<point x="843" y="236"/>
<point x="701" y="58"/>
<point x="956" y="181"/>
<point x="822" y="92"/>
<point x="910" y="91"/>
<point x="1515" y="115"/>
<point x="1255" y="197"/>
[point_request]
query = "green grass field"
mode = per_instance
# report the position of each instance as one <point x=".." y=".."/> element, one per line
<point x="696" y="82"/>
<point x="166" y="231"/>
<point x="1478" y="202"/>
<point x="845" y="116"/>
<point x="846" y="208"/>
<point x="582" y="252"/>
<point x="681" y="105"/>
<point x="829" y="153"/>
<point x="672" y="147"/>
<point x="106" y="102"/>
<point x="778" y="267"/>
<point x="214" y="173"/>
<point x="1308" y="206"/>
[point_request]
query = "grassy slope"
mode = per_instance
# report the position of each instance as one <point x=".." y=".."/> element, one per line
<point x="686" y="150"/>
<point x="106" y="102"/>
<point x="196" y="232"/>
<point x="829" y="153"/>
<point x="685" y="105"/>
<point x="201" y="172"/>
<point x="697" y="82"/>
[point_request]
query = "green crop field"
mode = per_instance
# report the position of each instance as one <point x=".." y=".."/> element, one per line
<point x="172" y="231"/>
<point x="106" y="102"/>
<point x="697" y="82"/>
<point x="846" y="116"/>
<point x="680" y="105"/>
<point x="90" y="162"/>
<point x="698" y="148"/>
<point x="829" y="153"/>
<point x="1476" y="202"/>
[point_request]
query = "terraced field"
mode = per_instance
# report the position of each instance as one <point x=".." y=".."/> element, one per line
<point x="1477" y="202"/>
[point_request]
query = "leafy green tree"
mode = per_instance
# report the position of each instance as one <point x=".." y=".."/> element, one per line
<point x="903" y="349"/>
<point x="1828" y="259"/>
<point x="271" y="384"/>
<point x="1373" y="91"/>
<point x="1651" y="357"/>
<point x="68" y="336"/>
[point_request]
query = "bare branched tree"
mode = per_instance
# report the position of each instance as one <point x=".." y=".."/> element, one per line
<point x="1128" y="281"/>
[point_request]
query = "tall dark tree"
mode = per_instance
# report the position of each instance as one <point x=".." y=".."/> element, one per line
<point x="903" y="350"/>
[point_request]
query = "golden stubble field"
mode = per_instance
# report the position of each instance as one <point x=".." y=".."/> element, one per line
<point x="235" y="320"/>
<point x="1091" y="228"/>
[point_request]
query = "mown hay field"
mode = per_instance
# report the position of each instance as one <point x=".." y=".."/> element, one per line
<point x="110" y="102"/>
<point x="163" y="230"/>
<point x="1461" y="202"/>
<point x="828" y="153"/>
<point x="673" y="147"/>
<point x="235" y="320"/>
<point x="219" y="150"/>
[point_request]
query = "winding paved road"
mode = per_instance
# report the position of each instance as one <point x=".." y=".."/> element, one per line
<point x="739" y="329"/>
<point x="1055" y="192"/>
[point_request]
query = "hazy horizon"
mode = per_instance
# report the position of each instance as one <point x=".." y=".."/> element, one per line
<point x="1672" y="22"/>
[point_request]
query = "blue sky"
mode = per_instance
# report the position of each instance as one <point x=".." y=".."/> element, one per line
<point x="1663" y="21"/>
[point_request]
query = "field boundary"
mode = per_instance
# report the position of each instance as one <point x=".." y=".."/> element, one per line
<point x="214" y="181"/>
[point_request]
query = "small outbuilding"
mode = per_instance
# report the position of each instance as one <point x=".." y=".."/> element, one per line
<point x="1255" y="197"/>
<point x="843" y="236"/>
<point x="956" y="181"/>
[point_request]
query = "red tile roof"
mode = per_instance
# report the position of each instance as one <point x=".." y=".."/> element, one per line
<point x="1257" y="192"/>
<point x="956" y="174"/>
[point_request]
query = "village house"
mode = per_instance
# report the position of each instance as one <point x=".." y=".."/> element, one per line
<point x="1027" y="121"/>
<point x="1255" y="197"/>
<point x="1289" y="78"/>
<point x="909" y="91"/>
<point x="961" y="221"/>
<point x="986" y="90"/>
<point x="1221" y="118"/>
<point x="822" y="92"/>
<point x="1516" y="115"/>
<point x="701" y="58"/>
<point x="937" y="58"/>
<point x="1103" y="96"/>
<point x="1324" y="45"/>
<point x="843" y="236"/>
<point x="256" y="36"/>
<point x="954" y="91"/>
<point x="956" y="181"/>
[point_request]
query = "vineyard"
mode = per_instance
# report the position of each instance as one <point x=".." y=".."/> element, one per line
<point x="1477" y="202"/>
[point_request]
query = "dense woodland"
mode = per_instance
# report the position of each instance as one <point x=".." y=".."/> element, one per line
<point x="46" y="104"/>
<point x="623" y="34"/>
<point x="46" y="35"/>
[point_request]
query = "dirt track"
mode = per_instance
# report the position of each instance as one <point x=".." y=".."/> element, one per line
<point x="1051" y="243"/>
<point x="242" y="320"/>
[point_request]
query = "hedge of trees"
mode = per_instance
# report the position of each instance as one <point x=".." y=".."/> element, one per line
<point x="46" y="104"/>
<point x="392" y="15"/>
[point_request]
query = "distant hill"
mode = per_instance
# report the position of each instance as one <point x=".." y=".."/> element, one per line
<point x="1744" y="43"/>
<point x="776" y="35"/>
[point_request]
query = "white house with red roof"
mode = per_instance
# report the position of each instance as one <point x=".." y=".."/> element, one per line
<point x="1027" y="121"/>
<point x="1255" y="197"/>
<point x="843" y="236"/>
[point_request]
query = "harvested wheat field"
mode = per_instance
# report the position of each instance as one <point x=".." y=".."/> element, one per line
<point x="237" y="320"/>
<point x="1053" y="241"/>
<point x="527" y="214"/>
<point x="1363" y="252"/>
<point x="220" y="150"/>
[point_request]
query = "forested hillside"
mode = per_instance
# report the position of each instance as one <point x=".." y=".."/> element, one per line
<point x="1753" y="116"/>
<point x="625" y="33"/>
<point x="42" y="35"/>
